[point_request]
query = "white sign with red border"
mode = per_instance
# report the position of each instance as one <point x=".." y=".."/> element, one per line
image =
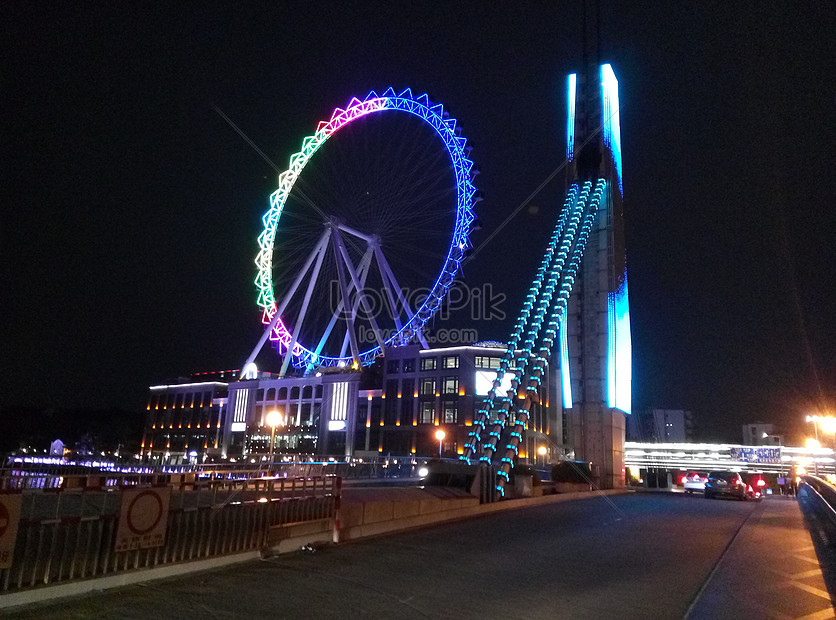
<point x="143" y="518"/>
<point x="9" y="519"/>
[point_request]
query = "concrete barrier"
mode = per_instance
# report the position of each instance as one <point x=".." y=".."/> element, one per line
<point x="378" y="512"/>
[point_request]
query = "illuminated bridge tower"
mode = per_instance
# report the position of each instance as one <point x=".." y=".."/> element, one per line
<point x="595" y="350"/>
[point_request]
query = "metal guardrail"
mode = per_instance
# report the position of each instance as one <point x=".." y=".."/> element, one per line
<point x="825" y="495"/>
<point x="70" y="534"/>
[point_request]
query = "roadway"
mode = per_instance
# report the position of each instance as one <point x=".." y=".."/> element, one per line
<point x="639" y="555"/>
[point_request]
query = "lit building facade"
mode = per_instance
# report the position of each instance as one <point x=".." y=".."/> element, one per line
<point x="187" y="416"/>
<point x="394" y="407"/>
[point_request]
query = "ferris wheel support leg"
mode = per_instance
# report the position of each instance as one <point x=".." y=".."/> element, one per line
<point x="302" y="312"/>
<point x="363" y="271"/>
<point x="352" y="336"/>
<point x="391" y="283"/>
<point x="356" y="280"/>
<point x="278" y="314"/>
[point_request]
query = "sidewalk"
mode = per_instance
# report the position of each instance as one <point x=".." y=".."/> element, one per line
<point x="769" y="570"/>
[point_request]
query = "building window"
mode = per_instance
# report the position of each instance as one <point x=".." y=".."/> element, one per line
<point x="283" y="393"/>
<point x="450" y="385"/>
<point x="449" y="412"/>
<point x="318" y="391"/>
<point x="307" y="392"/>
<point x="408" y="388"/>
<point x="428" y="387"/>
<point x="294" y="392"/>
<point x="426" y="413"/>
<point x="450" y="361"/>
<point x="427" y="363"/>
<point x="409" y="365"/>
<point x="392" y="366"/>
<point x="484" y="361"/>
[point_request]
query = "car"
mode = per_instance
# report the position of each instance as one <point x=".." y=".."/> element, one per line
<point x="728" y="484"/>
<point x="760" y="488"/>
<point x="693" y="481"/>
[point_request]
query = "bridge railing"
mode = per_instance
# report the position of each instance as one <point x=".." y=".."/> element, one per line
<point x="824" y="496"/>
<point x="71" y="534"/>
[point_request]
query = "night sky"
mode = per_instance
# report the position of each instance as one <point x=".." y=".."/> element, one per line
<point x="131" y="208"/>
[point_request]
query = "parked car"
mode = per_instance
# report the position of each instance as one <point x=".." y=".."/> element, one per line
<point x="693" y="481"/>
<point x="729" y="484"/>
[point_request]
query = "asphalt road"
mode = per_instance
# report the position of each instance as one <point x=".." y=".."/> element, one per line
<point x="642" y="555"/>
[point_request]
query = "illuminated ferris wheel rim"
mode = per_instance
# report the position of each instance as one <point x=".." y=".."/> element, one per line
<point x="445" y="127"/>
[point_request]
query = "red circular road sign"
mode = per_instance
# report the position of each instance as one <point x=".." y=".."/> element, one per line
<point x="4" y="520"/>
<point x="144" y="512"/>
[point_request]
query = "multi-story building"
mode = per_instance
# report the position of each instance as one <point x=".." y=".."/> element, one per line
<point x="395" y="407"/>
<point x="761" y="434"/>
<point x="186" y="416"/>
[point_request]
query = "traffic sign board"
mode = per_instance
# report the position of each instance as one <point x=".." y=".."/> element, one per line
<point x="9" y="518"/>
<point x="143" y="518"/>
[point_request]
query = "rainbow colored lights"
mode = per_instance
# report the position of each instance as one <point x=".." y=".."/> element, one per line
<point x="445" y="127"/>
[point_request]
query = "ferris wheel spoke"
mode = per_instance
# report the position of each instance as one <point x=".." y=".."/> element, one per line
<point x="355" y="351"/>
<point x="363" y="271"/>
<point x="300" y="318"/>
<point x="375" y="327"/>
<point x="277" y="315"/>
<point x="391" y="283"/>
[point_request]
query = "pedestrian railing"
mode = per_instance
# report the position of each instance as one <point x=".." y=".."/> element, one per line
<point x="81" y="533"/>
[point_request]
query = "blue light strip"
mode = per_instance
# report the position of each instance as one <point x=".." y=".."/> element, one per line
<point x="565" y="375"/>
<point x="612" y="124"/>
<point x="567" y="281"/>
<point x="474" y="437"/>
<point x="555" y="263"/>
<point x="619" y="350"/>
<point x="570" y="124"/>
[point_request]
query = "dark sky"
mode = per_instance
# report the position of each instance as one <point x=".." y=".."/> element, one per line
<point x="131" y="209"/>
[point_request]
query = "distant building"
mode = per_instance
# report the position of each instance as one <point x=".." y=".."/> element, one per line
<point x="661" y="426"/>
<point x="761" y="434"/>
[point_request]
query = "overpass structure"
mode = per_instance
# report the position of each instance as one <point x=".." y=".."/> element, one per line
<point x="640" y="456"/>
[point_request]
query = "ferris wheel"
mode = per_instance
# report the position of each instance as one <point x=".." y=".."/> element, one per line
<point x="365" y="234"/>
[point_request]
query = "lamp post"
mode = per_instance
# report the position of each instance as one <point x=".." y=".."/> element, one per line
<point x="828" y="427"/>
<point x="542" y="451"/>
<point x="274" y="419"/>
<point x="440" y="435"/>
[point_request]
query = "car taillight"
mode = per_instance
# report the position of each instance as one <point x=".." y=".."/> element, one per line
<point x="761" y="482"/>
<point x="750" y="489"/>
<point x="705" y="479"/>
<point x="683" y="480"/>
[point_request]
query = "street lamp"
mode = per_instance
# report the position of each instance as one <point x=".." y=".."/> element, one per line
<point x="440" y="435"/>
<point x="542" y="451"/>
<point x="274" y="419"/>
<point x="828" y="426"/>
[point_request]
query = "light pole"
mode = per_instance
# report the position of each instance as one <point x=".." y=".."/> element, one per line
<point x="828" y="427"/>
<point x="542" y="451"/>
<point x="274" y="419"/>
<point x="440" y="435"/>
